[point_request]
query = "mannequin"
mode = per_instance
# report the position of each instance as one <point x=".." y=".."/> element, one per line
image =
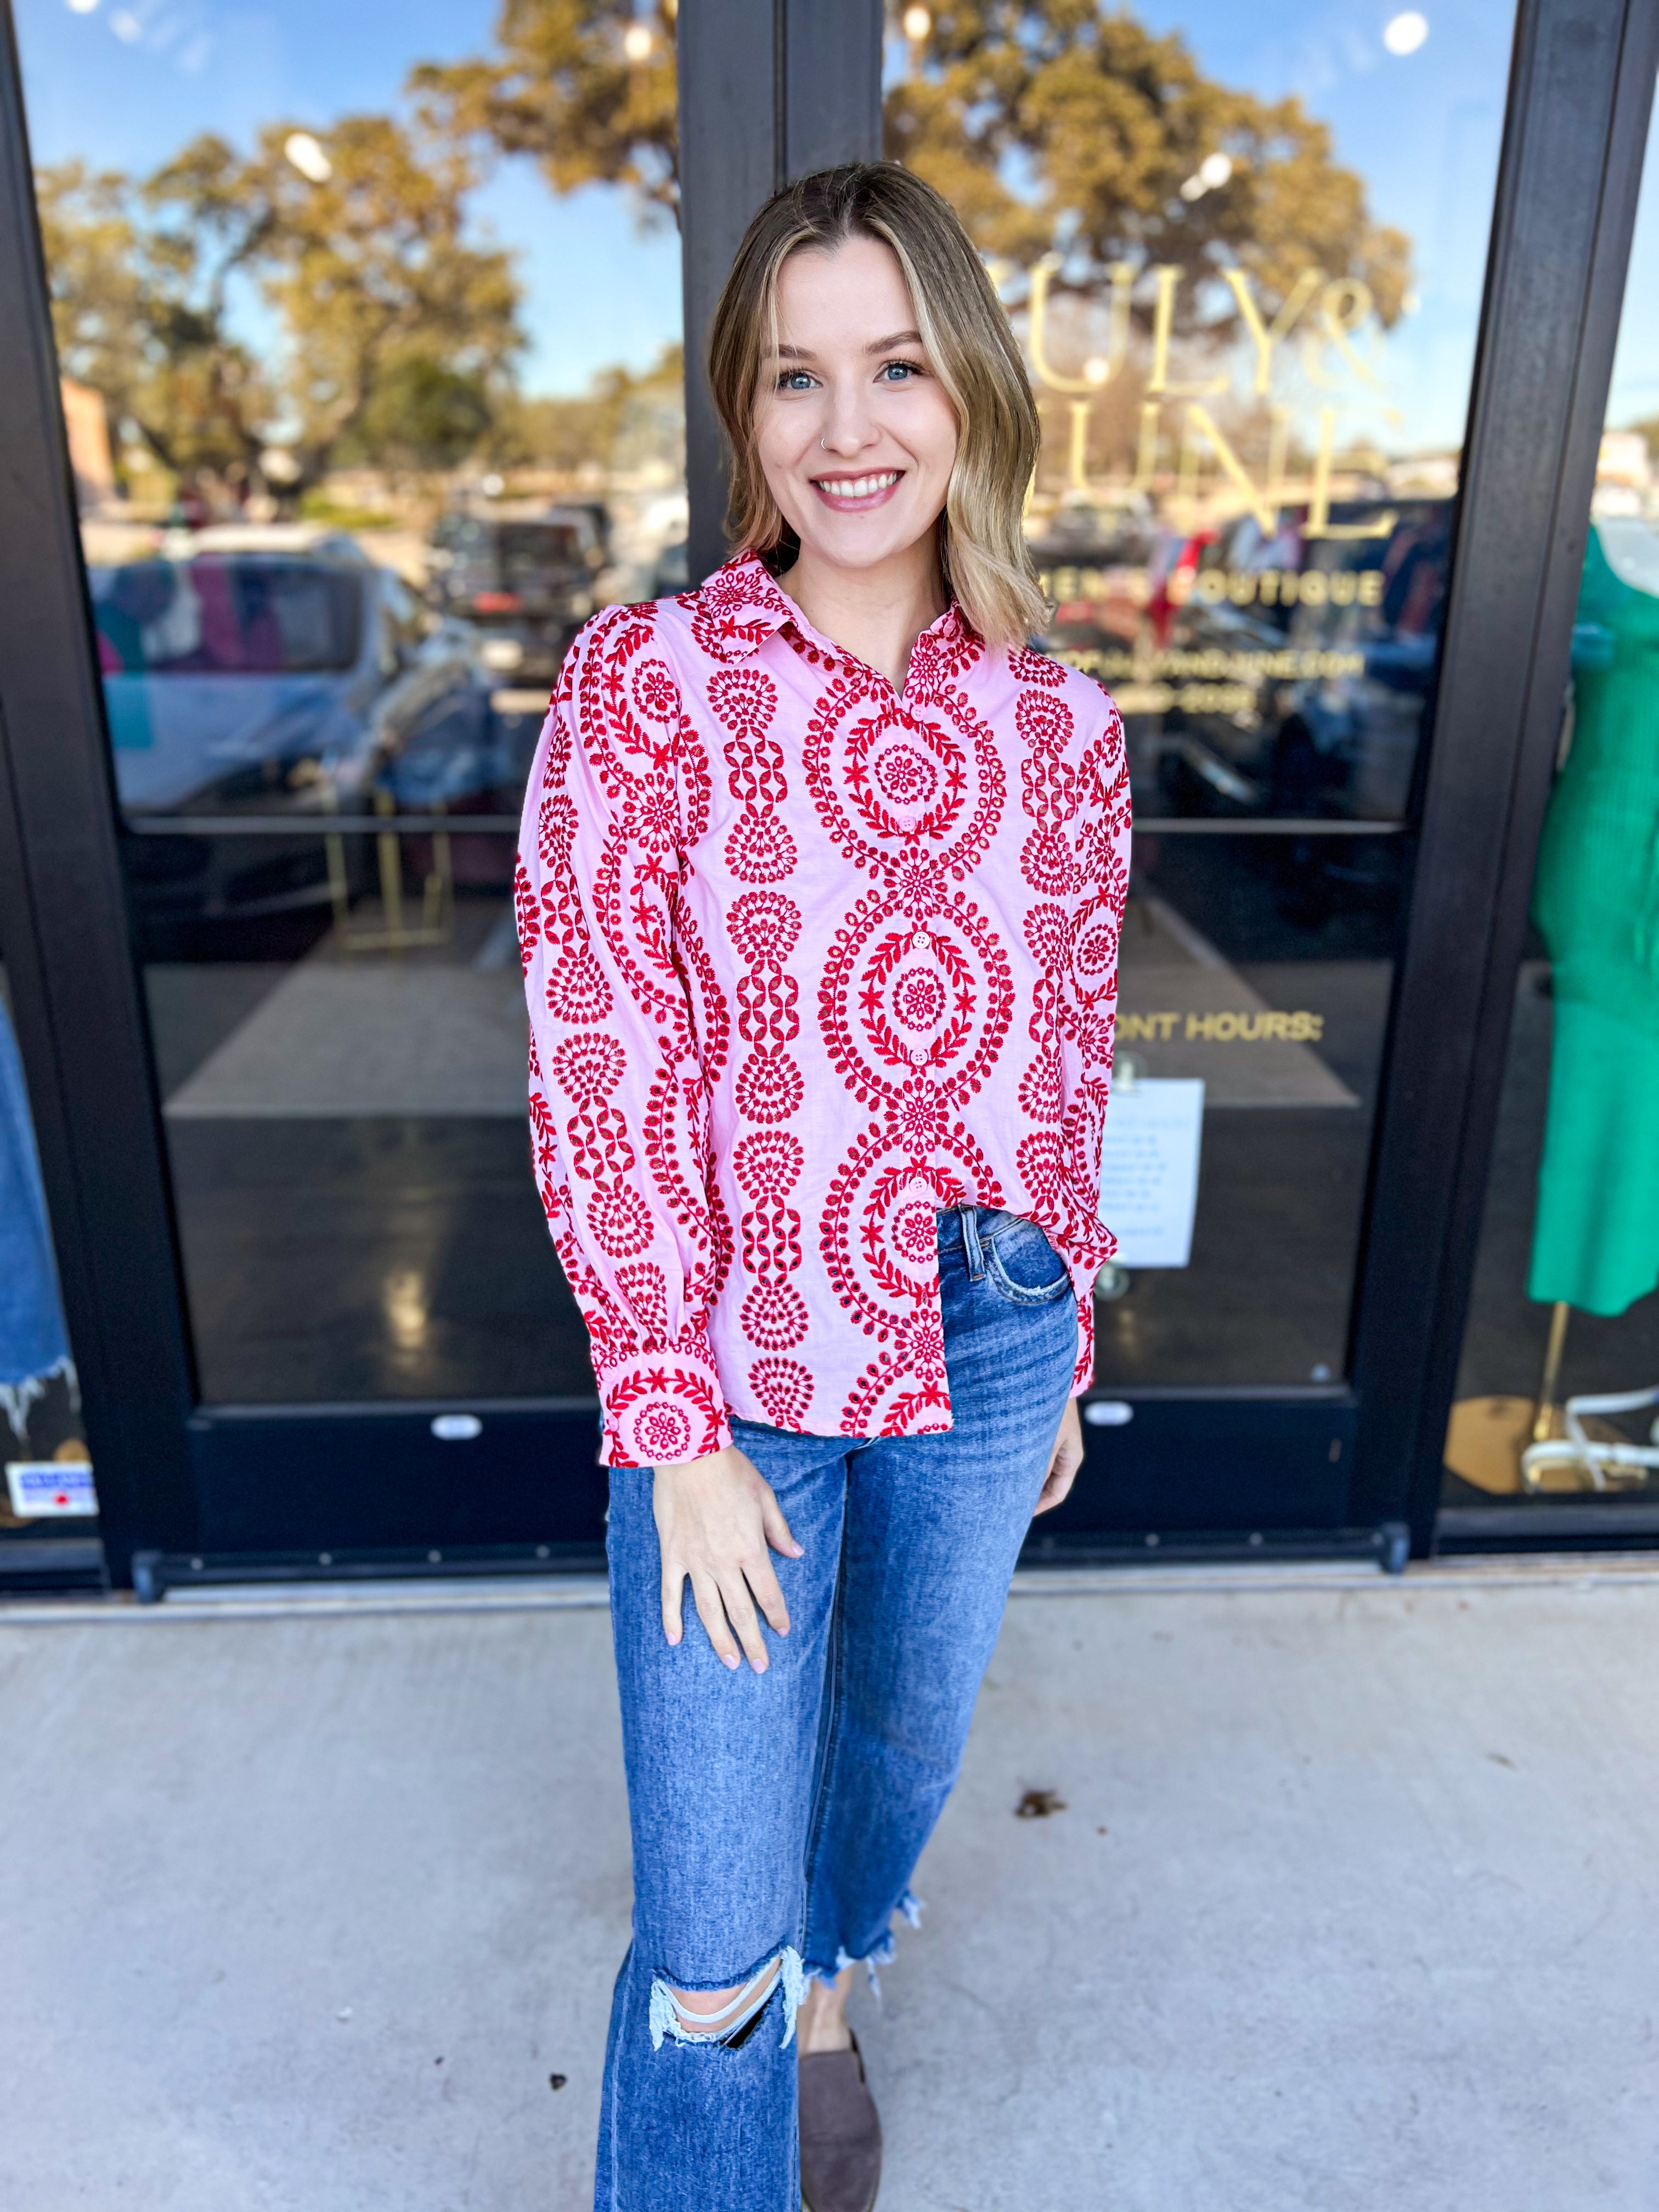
<point x="1595" y="901"/>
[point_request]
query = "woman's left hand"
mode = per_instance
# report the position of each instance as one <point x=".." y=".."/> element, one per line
<point x="1065" y="1460"/>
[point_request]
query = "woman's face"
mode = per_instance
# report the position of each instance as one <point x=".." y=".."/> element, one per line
<point x="854" y="433"/>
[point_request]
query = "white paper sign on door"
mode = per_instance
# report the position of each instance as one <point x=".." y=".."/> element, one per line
<point x="1148" y="1170"/>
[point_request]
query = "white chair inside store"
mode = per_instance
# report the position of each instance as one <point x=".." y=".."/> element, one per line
<point x="1505" y="1444"/>
<point x="1603" y="1461"/>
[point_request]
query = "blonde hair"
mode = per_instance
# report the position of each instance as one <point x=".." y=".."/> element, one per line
<point x="969" y="347"/>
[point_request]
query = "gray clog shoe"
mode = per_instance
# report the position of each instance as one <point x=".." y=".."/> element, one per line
<point x="840" y="2133"/>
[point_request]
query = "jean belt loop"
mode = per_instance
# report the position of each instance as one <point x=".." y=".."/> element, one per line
<point x="969" y="1216"/>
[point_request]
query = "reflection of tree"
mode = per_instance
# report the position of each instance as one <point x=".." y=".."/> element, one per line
<point x="1047" y="126"/>
<point x="400" y="333"/>
<point x="421" y="415"/>
<point x="380" y="291"/>
<point x="585" y="87"/>
<point x="1057" y="128"/>
<point x="1053" y="128"/>
<point x="139" y="308"/>
<point x="625" y="421"/>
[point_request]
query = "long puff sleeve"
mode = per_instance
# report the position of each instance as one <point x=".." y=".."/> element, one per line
<point x="1087" y="1012"/>
<point x="627" y="1034"/>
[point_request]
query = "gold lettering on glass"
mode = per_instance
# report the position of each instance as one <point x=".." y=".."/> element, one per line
<point x="1200" y="442"/>
<point x="1163" y="322"/>
<point x="1121" y="278"/>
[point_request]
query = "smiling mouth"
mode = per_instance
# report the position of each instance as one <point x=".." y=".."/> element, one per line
<point x="853" y="492"/>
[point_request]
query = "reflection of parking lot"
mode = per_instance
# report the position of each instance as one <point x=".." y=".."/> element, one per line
<point x="264" y="684"/>
<point x="1184" y="1011"/>
<point x="347" y="1141"/>
<point x="1263" y="674"/>
<point x="337" y="1038"/>
<point x="525" y="580"/>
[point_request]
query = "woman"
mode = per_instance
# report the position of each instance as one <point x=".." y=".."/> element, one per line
<point x="823" y="874"/>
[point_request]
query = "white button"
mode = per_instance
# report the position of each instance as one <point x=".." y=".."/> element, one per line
<point x="921" y="942"/>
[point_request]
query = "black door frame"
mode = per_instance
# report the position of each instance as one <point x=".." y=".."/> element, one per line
<point x="1581" y="91"/>
<point x="63" y="926"/>
<point x="1337" y="1461"/>
<point x="1590" y="68"/>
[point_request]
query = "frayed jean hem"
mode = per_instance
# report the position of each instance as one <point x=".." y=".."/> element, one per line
<point x="909" y="1909"/>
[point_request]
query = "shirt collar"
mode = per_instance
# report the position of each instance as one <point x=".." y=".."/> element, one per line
<point x="736" y="609"/>
<point x="740" y="606"/>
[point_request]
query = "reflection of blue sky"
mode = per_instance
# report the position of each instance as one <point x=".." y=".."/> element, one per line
<point x="1635" y="395"/>
<point x="1424" y="132"/>
<point x="124" y="84"/>
<point x="127" y="82"/>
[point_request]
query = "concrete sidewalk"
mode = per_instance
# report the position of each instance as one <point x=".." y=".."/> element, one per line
<point x="1354" y="1903"/>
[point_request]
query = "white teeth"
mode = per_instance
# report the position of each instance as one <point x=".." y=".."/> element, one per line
<point x="858" y="487"/>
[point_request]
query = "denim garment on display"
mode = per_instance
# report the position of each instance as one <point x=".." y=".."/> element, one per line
<point x="32" y="1343"/>
<point x="777" y="1818"/>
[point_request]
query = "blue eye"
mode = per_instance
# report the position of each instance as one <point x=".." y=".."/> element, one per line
<point x="794" y="380"/>
<point x="906" y="370"/>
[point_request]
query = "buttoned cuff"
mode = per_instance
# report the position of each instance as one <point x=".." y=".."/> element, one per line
<point x="661" y="1407"/>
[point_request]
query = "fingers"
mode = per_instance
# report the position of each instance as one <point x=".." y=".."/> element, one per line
<point x="718" y="1522"/>
<point x="711" y="1611"/>
<point x="673" y="1590"/>
<point x="1063" y="1469"/>
<point x="727" y="1611"/>
<point x="740" y="1612"/>
<point x="768" y="1595"/>
<point x="724" y="1607"/>
<point x="776" y="1528"/>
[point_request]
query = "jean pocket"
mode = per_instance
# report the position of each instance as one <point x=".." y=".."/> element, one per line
<point x="1024" y="1266"/>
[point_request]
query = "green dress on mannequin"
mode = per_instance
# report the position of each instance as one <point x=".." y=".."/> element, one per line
<point x="1595" y="900"/>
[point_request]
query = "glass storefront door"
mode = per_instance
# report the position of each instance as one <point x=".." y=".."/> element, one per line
<point x="369" y="331"/>
<point x="370" y="354"/>
<point x="1244" y="251"/>
<point x="1555" y="1426"/>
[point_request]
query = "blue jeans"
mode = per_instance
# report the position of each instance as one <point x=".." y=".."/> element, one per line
<point x="779" y="1815"/>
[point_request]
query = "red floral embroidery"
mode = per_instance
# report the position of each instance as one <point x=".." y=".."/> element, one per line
<point x="806" y="960"/>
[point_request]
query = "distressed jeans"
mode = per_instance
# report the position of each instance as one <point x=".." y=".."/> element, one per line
<point x="779" y="1816"/>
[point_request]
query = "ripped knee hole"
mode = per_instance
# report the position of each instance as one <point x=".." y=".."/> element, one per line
<point x="722" y="2016"/>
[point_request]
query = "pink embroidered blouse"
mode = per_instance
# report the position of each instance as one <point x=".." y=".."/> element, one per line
<point x="806" y="960"/>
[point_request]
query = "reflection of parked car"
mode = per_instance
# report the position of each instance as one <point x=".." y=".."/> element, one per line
<point x="265" y="673"/>
<point x="1298" y="670"/>
<point x="526" y="582"/>
<point x="1301" y="665"/>
<point x="1092" y="561"/>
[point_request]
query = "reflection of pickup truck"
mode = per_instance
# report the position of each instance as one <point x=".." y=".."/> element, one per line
<point x="274" y="674"/>
<point x="526" y="582"/>
<point x="1322" y="652"/>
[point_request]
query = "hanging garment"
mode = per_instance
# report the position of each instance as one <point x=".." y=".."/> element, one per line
<point x="32" y="1344"/>
<point x="1595" y="900"/>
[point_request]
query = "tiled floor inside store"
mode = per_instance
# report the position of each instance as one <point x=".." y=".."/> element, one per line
<point x="1347" y="1903"/>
